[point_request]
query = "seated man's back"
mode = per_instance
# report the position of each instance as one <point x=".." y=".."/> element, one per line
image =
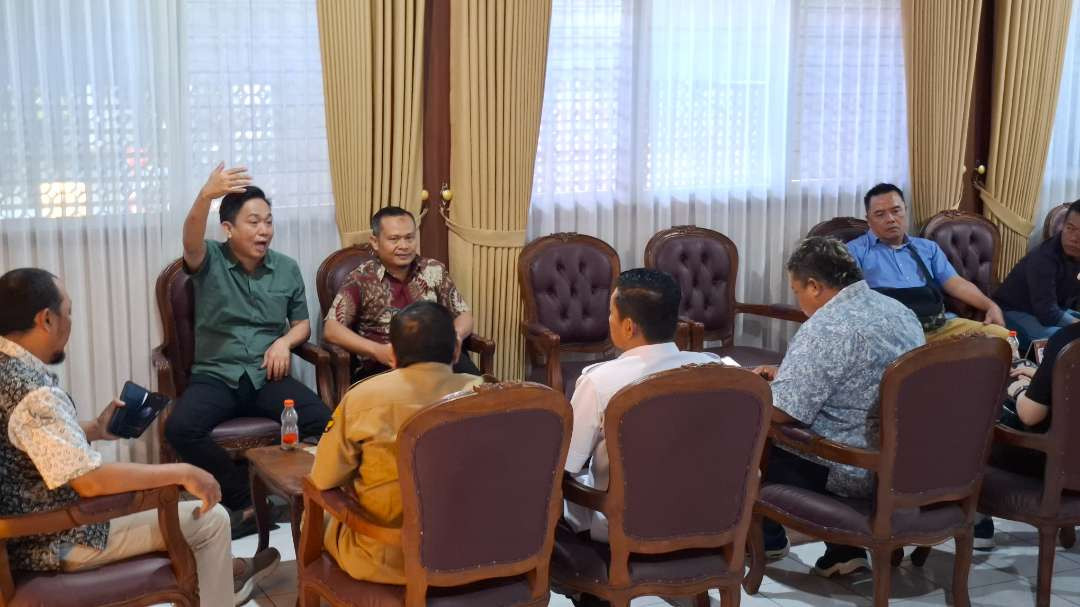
<point x="359" y="446"/>
<point x="643" y="313"/>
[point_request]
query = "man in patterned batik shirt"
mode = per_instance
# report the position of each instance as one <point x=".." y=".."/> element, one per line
<point x="359" y="317"/>
<point x="46" y="462"/>
<point x="830" y="378"/>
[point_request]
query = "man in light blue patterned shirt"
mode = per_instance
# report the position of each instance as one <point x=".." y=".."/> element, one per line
<point x="830" y="377"/>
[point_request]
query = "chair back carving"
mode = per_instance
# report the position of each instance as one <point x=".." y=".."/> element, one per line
<point x="335" y="268"/>
<point x="844" y="229"/>
<point x="176" y="304"/>
<point x="480" y="477"/>
<point x="1055" y="220"/>
<point x="972" y="244"/>
<point x="925" y="456"/>
<point x="566" y="282"/>
<point x="718" y="416"/>
<point x="706" y="265"/>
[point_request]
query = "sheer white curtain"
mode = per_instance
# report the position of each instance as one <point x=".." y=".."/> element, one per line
<point x="1061" y="177"/>
<point x="754" y="119"/>
<point x="111" y="115"/>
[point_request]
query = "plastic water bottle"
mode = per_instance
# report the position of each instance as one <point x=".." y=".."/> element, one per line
<point x="1014" y="343"/>
<point x="290" y="432"/>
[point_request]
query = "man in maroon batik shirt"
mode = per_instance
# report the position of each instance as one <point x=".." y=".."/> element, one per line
<point x="359" y="317"/>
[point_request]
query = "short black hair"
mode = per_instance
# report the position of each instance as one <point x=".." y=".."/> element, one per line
<point x="650" y="298"/>
<point x="25" y="292"/>
<point x="1073" y="208"/>
<point x="376" y="219"/>
<point x="232" y="203"/>
<point x="878" y="190"/>
<point x="826" y="260"/>
<point x="422" y="332"/>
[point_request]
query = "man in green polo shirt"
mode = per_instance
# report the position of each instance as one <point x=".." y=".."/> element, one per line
<point x="250" y="312"/>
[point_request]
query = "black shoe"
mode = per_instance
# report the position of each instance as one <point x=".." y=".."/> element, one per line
<point x="243" y="527"/>
<point x="588" y="600"/>
<point x="840" y="560"/>
<point x="777" y="547"/>
<point x="984" y="534"/>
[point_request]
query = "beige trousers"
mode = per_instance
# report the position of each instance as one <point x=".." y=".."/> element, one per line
<point x="209" y="536"/>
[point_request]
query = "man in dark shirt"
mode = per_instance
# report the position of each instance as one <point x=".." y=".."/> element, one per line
<point x="1041" y="293"/>
<point x="1032" y="393"/>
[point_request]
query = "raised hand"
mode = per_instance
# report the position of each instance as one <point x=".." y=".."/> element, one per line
<point x="224" y="181"/>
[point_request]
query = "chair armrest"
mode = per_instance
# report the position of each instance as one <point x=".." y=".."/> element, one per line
<point x="341" y="367"/>
<point x="324" y="375"/>
<point x="163" y="369"/>
<point x="485" y="348"/>
<point x="1018" y="438"/>
<point x="343" y="507"/>
<point x="802" y="440"/>
<point x="780" y="311"/>
<point x="87" y="511"/>
<point x="583" y="495"/>
<point x="547" y="342"/>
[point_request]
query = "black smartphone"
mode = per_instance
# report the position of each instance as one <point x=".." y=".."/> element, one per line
<point x="141" y="408"/>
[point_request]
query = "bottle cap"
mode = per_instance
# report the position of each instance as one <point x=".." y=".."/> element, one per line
<point x="289" y="402"/>
<point x="1012" y="333"/>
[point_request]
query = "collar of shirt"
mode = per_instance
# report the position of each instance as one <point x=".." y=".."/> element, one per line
<point x="20" y="353"/>
<point x="267" y="262"/>
<point x="874" y="240"/>
<point x="852" y="291"/>
<point x="651" y="351"/>
<point x="381" y="273"/>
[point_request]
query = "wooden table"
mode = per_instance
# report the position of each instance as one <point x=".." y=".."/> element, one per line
<point x="275" y="471"/>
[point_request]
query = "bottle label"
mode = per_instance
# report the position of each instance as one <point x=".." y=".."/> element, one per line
<point x="289" y="439"/>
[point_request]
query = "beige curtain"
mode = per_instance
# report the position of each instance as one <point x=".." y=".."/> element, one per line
<point x="498" y="55"/>
<point x="1029" y="40"/>
<point x="372" y="58"/>
<point x="940" y="43"/>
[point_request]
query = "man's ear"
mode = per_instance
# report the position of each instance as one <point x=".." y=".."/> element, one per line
<point x="44" y="319"/>
<point x="393" y="357"/>
<point x="628" y="327"/>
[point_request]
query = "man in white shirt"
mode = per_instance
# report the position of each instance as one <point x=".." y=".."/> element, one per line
<point x="643" y="313"/>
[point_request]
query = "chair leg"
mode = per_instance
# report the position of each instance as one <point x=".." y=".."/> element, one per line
<point x="919" y="555"/>
<point x="965" y="544"/>
<point x="1068" y="537"/>
<point x="1047" y="545"/>
<point x="730" y="596"/>
<point x="881" y="564"/>
<point x="753" y="578"/>
<point x="702" y="600"/>
<point x="308" y="597"/>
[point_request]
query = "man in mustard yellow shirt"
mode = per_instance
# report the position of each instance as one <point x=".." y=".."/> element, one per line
<point x="360" y="442"/>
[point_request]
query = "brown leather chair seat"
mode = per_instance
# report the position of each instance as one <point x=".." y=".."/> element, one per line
<point x="848" y="515"/>
<point x="579" y="557"/>
<point x="348" y="591"/>
<point x="1009" y="492"/>
<point x="240" y="428"/>
<point x="138" y="576"/>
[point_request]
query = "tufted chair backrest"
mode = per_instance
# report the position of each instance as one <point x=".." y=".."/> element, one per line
<point x="566" y="282"/>
<point x="706" y="264"/>
<point x="971" y="243"/>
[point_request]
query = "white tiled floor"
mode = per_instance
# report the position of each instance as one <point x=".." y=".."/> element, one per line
<point x="1004" y="577"/>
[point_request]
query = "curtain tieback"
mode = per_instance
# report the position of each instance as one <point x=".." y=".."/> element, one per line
<point x="504" y="239"/>
<point x="1004" y="214"/>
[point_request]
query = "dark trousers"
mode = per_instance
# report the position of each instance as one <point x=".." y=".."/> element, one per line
<point x="208" y="402"/>
<point x="789" y="469"/>
<point x="371" y="367"/>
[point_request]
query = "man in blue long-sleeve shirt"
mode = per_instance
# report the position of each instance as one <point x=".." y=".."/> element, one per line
<point x="1041" y="293"/>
